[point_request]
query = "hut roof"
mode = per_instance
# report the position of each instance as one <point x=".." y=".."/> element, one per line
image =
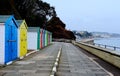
<point x="3" y="18"/>
<point x="19" y="22"/>
<point x="33" y="29"/>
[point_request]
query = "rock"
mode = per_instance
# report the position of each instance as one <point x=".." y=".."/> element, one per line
<point x="57" y="27"/>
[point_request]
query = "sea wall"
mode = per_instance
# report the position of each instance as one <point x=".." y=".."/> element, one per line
<point x="110" y="56"/>
<point x="88" y="41"/>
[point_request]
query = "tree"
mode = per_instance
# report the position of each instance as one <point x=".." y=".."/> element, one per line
<point x="36" y="12"/>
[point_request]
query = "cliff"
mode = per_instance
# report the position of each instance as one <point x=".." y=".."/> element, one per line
<point x="57" y="27"/>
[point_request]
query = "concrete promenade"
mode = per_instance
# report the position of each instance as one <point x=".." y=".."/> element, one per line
<point x="72" y="63"/>
<point x="75" y="63"/>
<point x="37" y="64"/>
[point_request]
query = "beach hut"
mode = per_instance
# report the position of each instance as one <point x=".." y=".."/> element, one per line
<point x="33" y="38"/>
<point x="46" y="37"/>
<point x="41" y="38"/>
<point x="8" y="39"/>
<point x="50" y="37"/>
<point x="43" y="43"/>
<point x="22" y="38"/>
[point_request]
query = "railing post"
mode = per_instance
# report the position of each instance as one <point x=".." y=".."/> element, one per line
<point x="114" y="48"/>
<point x="99" y="45"/>
<point x="105" y="46"/>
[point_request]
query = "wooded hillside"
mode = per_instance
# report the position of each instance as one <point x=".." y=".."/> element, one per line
<point x="37" y="14"/>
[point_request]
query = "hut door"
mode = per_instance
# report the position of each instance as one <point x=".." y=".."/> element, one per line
<point x="14" y="41"/>
<point x="23" y="42"/>
<point x="11" y="48"/>
<point x="8" y="48"/>
<point x="41" y="39"/>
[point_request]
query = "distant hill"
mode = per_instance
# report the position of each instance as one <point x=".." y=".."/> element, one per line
<point x="115" y="35"/>
<point x="82" y="34"/>
<point x="105" y="34"/>
<point x="86" y="34"/>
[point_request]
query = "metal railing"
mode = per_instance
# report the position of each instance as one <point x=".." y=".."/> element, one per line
<point x="107" y="46"/>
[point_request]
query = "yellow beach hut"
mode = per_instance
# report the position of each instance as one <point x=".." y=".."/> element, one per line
<point x="22" y="38"/>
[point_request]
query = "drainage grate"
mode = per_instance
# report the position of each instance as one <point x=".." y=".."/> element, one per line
<point x="43" y="71"/>
<point x="42" y="66"/>
<point x="64" y="74"/>
<point x="64" y="66"/>
<point x="64" y="70"/>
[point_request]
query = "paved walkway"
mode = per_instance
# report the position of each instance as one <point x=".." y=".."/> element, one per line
<point x="75" y="63"/>
<point x="72" y="63"/>
<point x="38" y="64"/>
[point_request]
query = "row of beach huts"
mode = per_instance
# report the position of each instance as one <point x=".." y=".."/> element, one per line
<point x="16" y="39"/>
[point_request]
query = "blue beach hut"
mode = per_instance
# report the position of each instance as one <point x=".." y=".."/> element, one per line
<point x="43" y="38"/>
<point x="8" y="39"/>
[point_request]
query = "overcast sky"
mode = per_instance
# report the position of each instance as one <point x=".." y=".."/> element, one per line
<point x="89" y="15"/>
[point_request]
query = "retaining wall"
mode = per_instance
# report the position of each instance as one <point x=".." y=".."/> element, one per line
<point x="105" y="54"/>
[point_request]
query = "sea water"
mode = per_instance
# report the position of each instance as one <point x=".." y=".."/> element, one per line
<point x="115" y="42"/>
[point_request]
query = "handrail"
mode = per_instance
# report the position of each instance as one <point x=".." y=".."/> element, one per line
<point x="107" y="46"/>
